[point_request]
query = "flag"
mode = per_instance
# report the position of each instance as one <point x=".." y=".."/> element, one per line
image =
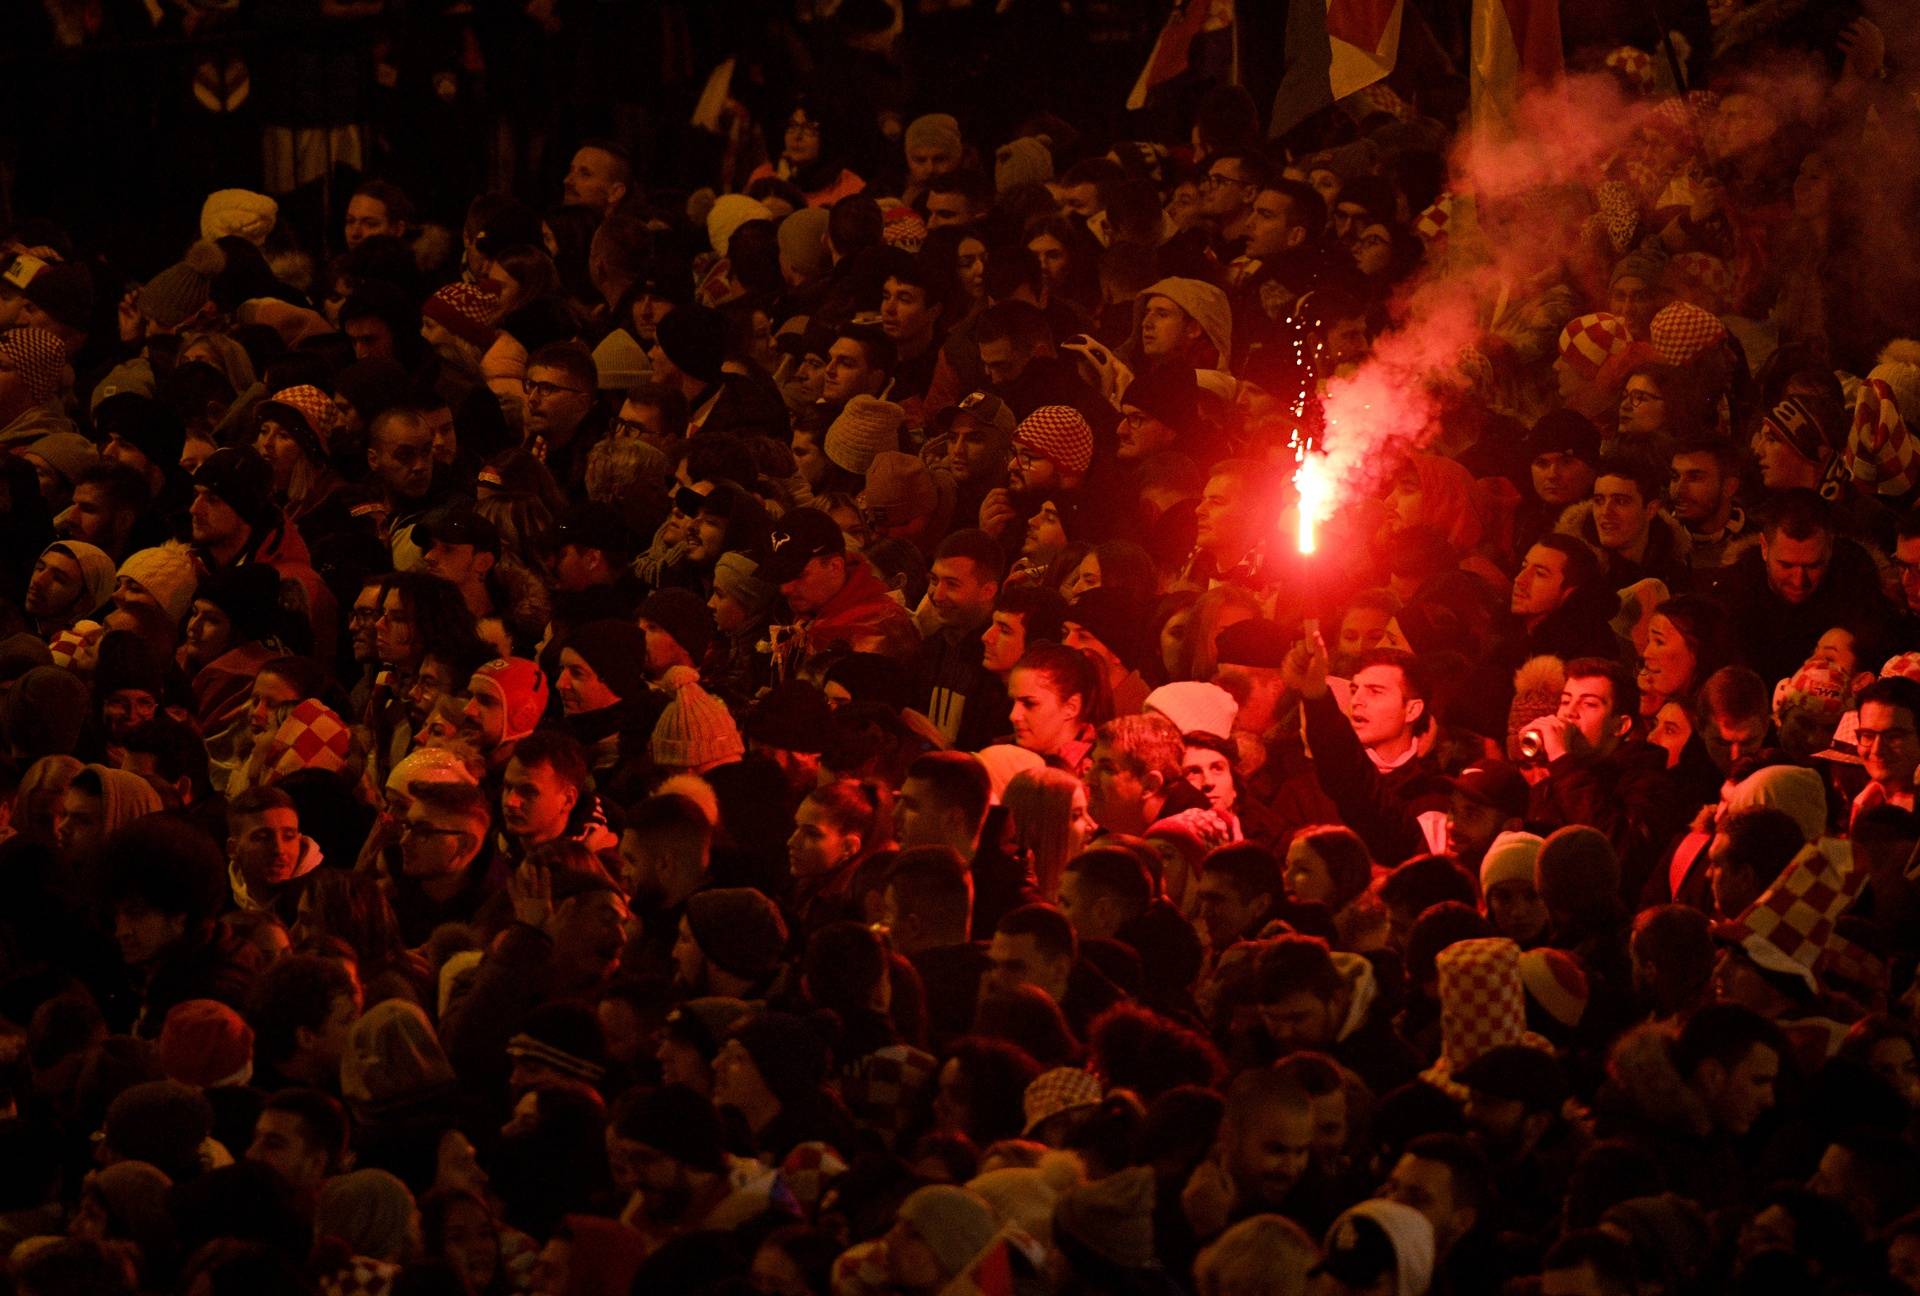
<point x="1192" y="30"/>
<point x="1334" y="48"/>
<point x="1515" y="45"/>
<point x="990" y="1274"/>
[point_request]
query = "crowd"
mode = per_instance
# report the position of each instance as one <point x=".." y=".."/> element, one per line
<point x="785" y="735"/>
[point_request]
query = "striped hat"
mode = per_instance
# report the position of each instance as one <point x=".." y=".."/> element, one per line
<point x="1059" y="433"/>
<point x="1589" y="342"/>
<point x="1683" y="332"/>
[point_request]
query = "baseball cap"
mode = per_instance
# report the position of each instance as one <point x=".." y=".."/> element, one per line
<point x="62" y="291"/>
<point x="1497" y="785"/>
<point x="457" y="526"/>
<point x="797" y="539"/>
<point x="982" y="407"/>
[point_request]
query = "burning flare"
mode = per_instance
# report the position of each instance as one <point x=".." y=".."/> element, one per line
<point x="1310" y="479"/>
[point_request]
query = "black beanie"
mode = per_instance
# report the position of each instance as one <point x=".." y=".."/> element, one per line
<point x="682" y="614"/>
<point x="678" y="1122"/>
<point x="243" y="481"/>
<point x="126" y="661"/>
<point x="249" y="595"/>
<point x="695" y="340"/>
<point x="148" y="426"/>
<point x="794" y="717"/>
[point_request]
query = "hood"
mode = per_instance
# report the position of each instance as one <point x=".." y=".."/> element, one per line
<point x="1642" y="1076"/>
<point x="1207" y="304"/>
<point x="124" y="797"/>
<point x="1666" y="538"/>
<point x="309" y="860"/>
<point x="1412" y="1238"/>
<point x="1362" y="989"/>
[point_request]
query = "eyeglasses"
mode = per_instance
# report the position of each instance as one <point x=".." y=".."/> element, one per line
<point x="1215" y="179"/>
<point x="633" y="428"/>
<point x="1637" y="398"/>
<point x="413" y="829"/>
<point x="1027" y="458"/>
<point x="547" y="390"/>
<point x="805" y="127"/>
<point x="1865" y="738"/>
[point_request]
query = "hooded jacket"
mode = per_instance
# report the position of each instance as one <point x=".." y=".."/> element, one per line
<point x="864" y="616"/>
<point x="265" y="900"/>
<point x="1666" y="558"/>
<point x="1366" y="1043"/>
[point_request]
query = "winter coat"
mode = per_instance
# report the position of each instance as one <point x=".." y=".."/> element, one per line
<point x="864" y="616"/>
<point x="1666" y="559"/>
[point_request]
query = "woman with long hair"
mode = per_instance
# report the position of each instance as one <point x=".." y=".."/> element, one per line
<point x="1686" y="642"/>
<point x="809" y="157"/>
<point x="1047" y="824"/>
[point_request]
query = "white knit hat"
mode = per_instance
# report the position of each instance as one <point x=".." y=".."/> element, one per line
<point x="729" y="213"/>
<point x="1196" y="707"/>
<point x="166" y="572"/>
<point x="1510" y="859"/>
<point x="238" y="211"/>
<point x="696" y="730"/>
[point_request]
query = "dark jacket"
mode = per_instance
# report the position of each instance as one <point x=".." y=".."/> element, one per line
<point x="967" y="702"/>
<point x="1373" y="803"/>
<point x="1774" y="636"/>
<point x="950" y="976"/>
<point x="1627" y="794"/>
<point x="212" y="965"/>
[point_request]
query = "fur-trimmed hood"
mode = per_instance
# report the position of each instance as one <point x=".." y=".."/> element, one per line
<point x="1647" y="1086"/>
<point x="1667" y="539"/>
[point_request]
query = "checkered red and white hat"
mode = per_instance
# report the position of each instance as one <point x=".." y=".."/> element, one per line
<point x="313" y="736"/>
<point x="1706" y="273"/>
<point x="1059" y="433"/>
<point x="1059" y="1090"/>
<point x="1432" y="224"/>
<point x="808" y="1170"/>
<point x="1587" y="343"/>
<point x="314" y="426"/>
<point x="466" y="311"/>
<point x="1483" y="1004"/>
<point x="1790" y="928"/>
<point x="1683" y="332"/>
<point x="903" y="227"/>
<point x="37" y="356"/>
<point x="1634" y="65"/>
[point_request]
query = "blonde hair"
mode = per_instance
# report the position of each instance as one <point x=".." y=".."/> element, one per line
<point x="1040" y="809"/>
<point x="1263" y="1255"/>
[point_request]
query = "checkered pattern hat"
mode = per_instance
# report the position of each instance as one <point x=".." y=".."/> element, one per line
<point x="1059" y="1090"/>
<point x="807" y="1172"/>
<point x="1707" y="273"/>
<point x="1635" y="66"/>
<point x="903" y="228"/>
<point x="77" y="647"/>
<point x="37" y="356"/>
<point x="1432" y="224"/>
<point x="1881" y="452"/>
<point x="1555" y="980"/>
<point x="312" y="736"/>
<point x="1790" y="928"/>
<point x="1906" y="664"/>
<point x="466" y="311"/>
<point x="882" y="1090"/>
<point x="1683" y="332"/>
<point x="1059" y="433"/>
<point x="1482" y="1006"/>
<point x="1589" y="342"/>
<point x="314" y="415"/>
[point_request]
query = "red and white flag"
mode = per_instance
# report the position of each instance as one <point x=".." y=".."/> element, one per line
<point x="1173" y="53"/>
<point x="1365" y="36"/>
<point x="1516" y="46"/>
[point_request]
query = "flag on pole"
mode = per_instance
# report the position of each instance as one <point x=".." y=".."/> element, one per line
<point x="1515" y="46"/>
<point x="1334" y="48"/>
<point x="1188" y="41"/>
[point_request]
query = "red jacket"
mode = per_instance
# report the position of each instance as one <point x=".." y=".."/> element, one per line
<point x="865" y="617"/>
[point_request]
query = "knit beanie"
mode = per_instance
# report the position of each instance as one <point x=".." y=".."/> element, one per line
<point x="1112" y="616"/>
<point x="682" y="614"/>
<point x="521" y="689"/>
<point x="866" y="426"/>
<point x="96" y="570"/>
<point x="794" y="716"/>
<point x="564" y="1036"/>
<point x="728" y="213"/>
<point x="167" y="573"/>
<point x="617" y="652"/>
<point x="1590" y="341"/>
<point x="1379" y="1238"/>
<point x="936" y="133"/>
<point x="1023" y="161"/>
<point x="738" y="930"/>
<point x="45" y="708"/>
<point x="38" y="357"/>
<point x="370" y="1210"/>
<point x="1798" y="791"/>
<point x="734" y="576"/>
<point x="465" y="310"/>
<point x="695" y="730"/>
<point x="161" y="1122"/>
<point x="1025" y="1197"/>
<point x="136" y="1198"/>
<point x="206" y="1044"/>
<point x="1060" y="433"/>
<point x="1168" y="393"/>
<point x="789" y="1052"/>
<point x="142" y="422"/>
<point x="677" y="1122"/>
<point x="619" y="362"/>
<point x="243" y="481"/>
<point x="1195" y="706"/>
<point x="249" y="596"/>
<point x="694" y="339"/>
<point x="1554" y="980"/>
<point x="1577" y="872"/>
<point x="1258" y="643"/>
<point x="955" y="1224"/>
<point x="803" y="242"/>
<point x="307" y="413"/>
<point x="176" y="293"/>
<point x="20" y="653"/>
<point x="1510" y="859"/>
<point x="896" y="480"/>
<point x="1814" y="426"/>
<point x="67" y="453"/>
<point x="1683" y="332"/>
<point x="1112" y="1217"/>
<point x="240" y="212"/>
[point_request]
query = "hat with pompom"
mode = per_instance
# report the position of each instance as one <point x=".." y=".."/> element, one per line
<point x="177" y="293"/>
<point x="695" y="731"/>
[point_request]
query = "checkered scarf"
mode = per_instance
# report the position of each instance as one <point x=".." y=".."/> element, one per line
<point x="1881" y="454"/>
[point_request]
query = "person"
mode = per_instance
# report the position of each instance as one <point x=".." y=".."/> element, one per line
<point x="1802" y="578"/>
<point x="1701" y="493"/>
<point x="1238" y="888"/>
<point x="1022" y="615"/>
<point x="1562" y="604"/>
<point x="834" y="596"/>
<point x="1889" y="748"/>
<point x="163" y="887"/>
<point x="302" y="1134"/>
<point x="302" y="1008"/>
<point x="598" y="176"/>
<point x="965" y="698"/>
<point x="1036" y="945"/>
<point x="1134" y="774"/>
<point x="1624" y="519"/>
<point x="267" y="853"/>
<point x="71" y="581"/>
<point x="927" y="906"/>
<point x="1233" y="524"/>
<point x="1261" y="1160"/>
<point x="543" y="793"/>
<point x="1058" y="697"/>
